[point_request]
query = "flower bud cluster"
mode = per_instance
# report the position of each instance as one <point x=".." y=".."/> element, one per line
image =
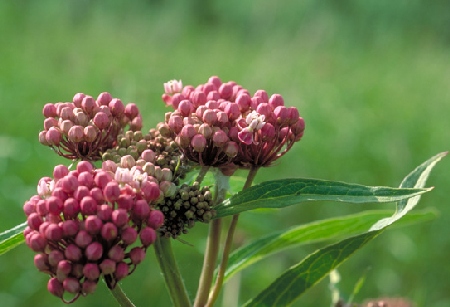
<point x="186" y="206"/>
<point x="88" y="223"/>
<point x="86" y="127"/>
<point x="222" y="125"/>
<point x="152" y="150"/>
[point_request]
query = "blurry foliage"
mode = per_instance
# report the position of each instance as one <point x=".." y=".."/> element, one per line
<point x="369" y="77"/>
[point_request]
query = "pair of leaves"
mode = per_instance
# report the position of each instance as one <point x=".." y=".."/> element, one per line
<point x="277" y="194"/>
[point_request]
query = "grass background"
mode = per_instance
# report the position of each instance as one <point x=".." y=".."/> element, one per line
<point x="371" y="78"/>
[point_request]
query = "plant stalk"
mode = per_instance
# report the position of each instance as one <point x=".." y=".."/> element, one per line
<point x="212" y="246"/>
<point x="121" y="297"/>
<point x="171" y="273"/>
<point x="228" y="244"/>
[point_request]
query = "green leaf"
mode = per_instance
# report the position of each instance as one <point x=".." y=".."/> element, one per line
<point x="299" y="278"/>
<point x="287" y="192"/>
<point x="12" y="238"/>
<point x="314" y="232"/>
<point x="292" y="283"/>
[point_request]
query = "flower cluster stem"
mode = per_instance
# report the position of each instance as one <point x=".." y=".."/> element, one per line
<point x="228" y="244"/>
<point x="212" y="246"/>
<point x="171" y="273"/>
<point x="121" y="297"/>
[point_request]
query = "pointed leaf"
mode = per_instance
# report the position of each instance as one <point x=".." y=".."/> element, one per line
<point x="296" y="280"/>
<point x="12" y="238"/>
<point x="287" y="192"/>
<point x="314" y="232"/>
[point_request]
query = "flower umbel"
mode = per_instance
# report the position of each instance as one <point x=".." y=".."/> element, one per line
<point x="88" y="226"/>
<point x="84" y="128"/>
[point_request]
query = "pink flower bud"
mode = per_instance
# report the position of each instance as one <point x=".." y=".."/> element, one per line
<point x="263" y="95"/>
<point x="76" y="134"/>
<point x="116" y="253"/>
<point x="109" y="231"/>
<point x="41" y="262"/>
<point x="53" y="136"/>
<point x="72" y="252"/>
<point x="88" y="206"/>
<point x="34" y="221"/>
<point x="54" y="232"/>
<point x="148" y="236"/>
<point x="131" y="110"/>
<point x="70" y="228"/>
<point x="108" y="266"/>
<point x="78" y="99"/>
<point x="198" y="142"/>
<point x="185" y="107"/>
<point x="111" y="191"/>
<point x="155" y="219"/>
<point x="276" y="100"/>
<point x="54" y="205"/>
<point x="119" y="217"/>
<point x="175" y="123"/>
<point x="141" y="209"/>
<point x="150" y="190"/>
<point x="94" y="251"/>
<point x="91" y="271"/>
<point x="148" y="155"/>
<point x="231" y="149"/>
<point x="122" y="271"/>
<point x="71" y="208"/>
<point x="71" y="285"/>
<point x="220" y="138"/>
<point x="198" y="98"/>
<point x="104" y="99"/>
<point x="93" y="224"/>
<point x="102" y="178"/>
<point x="89" y="286"/>
<point x="129" y="235"/>
<point x="117" y="107"/>
<point x="83" y="238"/>
<point x="49" y="110"/>
<point x="81" y="119"/>
<point x="50" y="122"/>
<point x="232" y="110"/>
<point x="88" y="105"/>
<point x="42" y="138"/>
<point x="226" y="90"/>
<point x="55" y="287"/>
<point x="101" y="120"/>
<point x="63" y="269"/>
<point x="90" y="133"/>
<point x="137" y="255"/>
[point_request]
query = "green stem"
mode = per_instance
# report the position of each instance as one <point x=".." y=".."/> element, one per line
<point x="121" y="297"/>
<point x="201" y="174"/>
<point x="214" y="294"/>
<point x="212" y="246"/>
<point x="169" y="269"/>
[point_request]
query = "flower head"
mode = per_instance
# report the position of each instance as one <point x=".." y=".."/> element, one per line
<point x="90" y="226"/>
<point x="84" y="128"/>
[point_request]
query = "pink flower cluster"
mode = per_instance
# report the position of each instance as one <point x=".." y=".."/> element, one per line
<point x="85" y="224"/>
<point x="86" y="127"/>
<point x="223" y="125"/>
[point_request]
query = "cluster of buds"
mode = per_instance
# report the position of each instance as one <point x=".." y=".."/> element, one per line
<point x="222" y="125"/>
<point x="152" y="148"/>
<point x="88" y="223"/>
<point x="182" y="209"/>
<point x="84" y="128"/>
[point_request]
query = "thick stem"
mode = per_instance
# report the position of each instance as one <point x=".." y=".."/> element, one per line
<point x="228" y="244"/>
<point x="212" y="246"/>
<point x="121" y="297"/>
<point x="172" y="276"/>
<point x="209" y="263"/>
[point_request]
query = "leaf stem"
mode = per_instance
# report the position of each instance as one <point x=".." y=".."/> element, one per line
<point x="171" y="273"/>
<point x="228" y="244"/>
<point x="212" y="246"/>
<point x="121" y="297"/>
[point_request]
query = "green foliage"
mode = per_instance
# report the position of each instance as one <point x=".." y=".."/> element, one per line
<point x="11" y="238"/>
<point x="287" y="192"/>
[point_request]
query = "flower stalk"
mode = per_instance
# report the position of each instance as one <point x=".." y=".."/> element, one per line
<point x="121" y="297"/>
<point x="171" y="273"/>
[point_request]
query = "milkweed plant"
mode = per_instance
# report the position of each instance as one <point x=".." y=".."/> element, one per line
<point x="125" y="191"/>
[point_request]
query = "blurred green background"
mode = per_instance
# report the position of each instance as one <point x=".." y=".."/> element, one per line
<point x="371" y="78"/>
